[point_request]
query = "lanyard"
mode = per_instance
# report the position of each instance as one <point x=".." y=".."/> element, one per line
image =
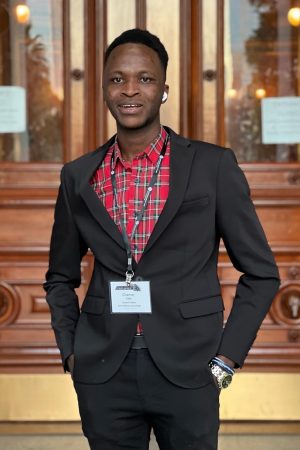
<point x="139" y="216"/>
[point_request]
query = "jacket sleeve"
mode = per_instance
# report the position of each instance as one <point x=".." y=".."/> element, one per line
<point x="64" y="275"/>
<point x="248" y="249"/>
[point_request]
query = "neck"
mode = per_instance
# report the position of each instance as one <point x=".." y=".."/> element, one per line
<point x="132" y="142"/>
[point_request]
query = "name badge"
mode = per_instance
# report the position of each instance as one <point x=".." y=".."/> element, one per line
<point x="133" y="299"/>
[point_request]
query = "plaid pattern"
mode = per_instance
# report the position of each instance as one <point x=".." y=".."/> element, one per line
<point x="132" y="179"/>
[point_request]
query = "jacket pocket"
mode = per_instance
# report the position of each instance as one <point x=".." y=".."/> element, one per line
<point x="199" y="201"/>
<point x="93" y="305"/>
<point x="201" y="306"/>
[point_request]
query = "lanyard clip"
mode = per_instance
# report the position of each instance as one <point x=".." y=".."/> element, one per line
<point x="129" y="271"/>
<point x="129" y="276"/>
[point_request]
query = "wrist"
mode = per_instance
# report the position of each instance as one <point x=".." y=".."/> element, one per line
<point x="227" y="361"/>
<point x="219" y="362"/>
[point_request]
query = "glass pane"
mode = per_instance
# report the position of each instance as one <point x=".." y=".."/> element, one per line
<point x="31" y="80"/>
<point x="262" y="83"/>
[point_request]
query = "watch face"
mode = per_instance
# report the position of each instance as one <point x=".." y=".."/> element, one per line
<point x="226" y="381"/>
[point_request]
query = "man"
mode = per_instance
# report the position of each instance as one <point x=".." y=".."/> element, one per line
<point x="148" y="349"/>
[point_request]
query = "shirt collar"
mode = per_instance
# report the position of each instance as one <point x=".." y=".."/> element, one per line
<point x="152" y="151"/>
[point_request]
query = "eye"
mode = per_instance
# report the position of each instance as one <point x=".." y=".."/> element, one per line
<point x="117" y="80"/>
<point x="146" y="79"/>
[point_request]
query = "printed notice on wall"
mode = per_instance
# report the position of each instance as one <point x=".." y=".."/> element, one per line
<point x="12" y="109"/>
<point x="280" y="120"/>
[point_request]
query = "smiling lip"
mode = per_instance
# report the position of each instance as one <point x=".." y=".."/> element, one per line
<point x="130" y="108"/>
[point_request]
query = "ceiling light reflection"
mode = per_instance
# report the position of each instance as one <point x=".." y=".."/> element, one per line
<point x="294" y="16"/>
<point x="22" y="13"/>
<point x="260" y="93"/>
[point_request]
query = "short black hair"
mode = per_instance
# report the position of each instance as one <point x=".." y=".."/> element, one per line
<point x="138" y="36"/>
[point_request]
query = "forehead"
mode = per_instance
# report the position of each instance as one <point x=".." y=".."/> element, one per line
<point x="133" y="55"/>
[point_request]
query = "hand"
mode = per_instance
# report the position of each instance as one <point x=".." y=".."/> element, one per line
<point x="70" y="361"/>
<point x="216" y="382"/>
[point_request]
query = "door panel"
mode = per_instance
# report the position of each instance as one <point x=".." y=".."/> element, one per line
<point x="42" y="59"/>
<point x="219" y="53"/>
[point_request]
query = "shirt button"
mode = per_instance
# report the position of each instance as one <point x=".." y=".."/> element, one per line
<point x="135" y="247"/>
<point x="136" y="181"/>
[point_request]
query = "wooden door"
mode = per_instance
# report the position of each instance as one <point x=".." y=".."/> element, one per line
<point x="42" y="93"/>
<point x="220" y="52"/>
<point x="250" y="102"/>
<point x="51" y="58"/>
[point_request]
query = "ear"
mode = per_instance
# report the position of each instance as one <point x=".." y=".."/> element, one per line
<point x="165" y="94"/>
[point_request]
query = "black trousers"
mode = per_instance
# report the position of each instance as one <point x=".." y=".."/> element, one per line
<point x="120" y="413"/>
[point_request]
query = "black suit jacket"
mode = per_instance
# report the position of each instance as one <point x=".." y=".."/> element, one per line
<point x="208" y="199"/>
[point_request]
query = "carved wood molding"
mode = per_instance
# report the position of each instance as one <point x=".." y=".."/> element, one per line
<point x="286" y="249"/>
<point x="10" y="303"/>
<point x="26" y="203"/>
<point x="220" y="107"/>
<point x="46" y="358"/>
<point x="101" y="44"/>
<point x="285" y="309"/>
<point x="21" y="250"/>
<point x="29" y="176"/>
<point x="91" y="74"/>
<point x="271" y="167"/>
<point x="66" y="79"/>
<point x="276" y="202"/>
<point x="141" y="14"/>
<point x="13" y="200"/>
<point x="185" y="65"/>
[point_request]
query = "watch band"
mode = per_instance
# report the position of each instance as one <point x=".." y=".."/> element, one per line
<point x="223" y="378"/>
<point x="223" y="365"/>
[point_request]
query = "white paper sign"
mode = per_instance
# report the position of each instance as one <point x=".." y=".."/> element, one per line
<point x="280" y="120"/>
<point x="12" y="109"/>
<point x="130" y="299"/>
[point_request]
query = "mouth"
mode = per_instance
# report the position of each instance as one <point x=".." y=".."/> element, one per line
<point x="130" y="108"/>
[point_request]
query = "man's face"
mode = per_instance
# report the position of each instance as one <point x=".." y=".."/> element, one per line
<point x="133" y="85"/>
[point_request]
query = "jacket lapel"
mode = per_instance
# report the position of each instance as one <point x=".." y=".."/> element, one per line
<point x="95" y="206"/>
<point x="181" y="158"/>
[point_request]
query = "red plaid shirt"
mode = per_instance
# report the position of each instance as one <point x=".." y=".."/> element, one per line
<point x="132" y="179"/>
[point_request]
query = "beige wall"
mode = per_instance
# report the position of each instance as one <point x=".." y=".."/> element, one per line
<point x="252" y="396"/>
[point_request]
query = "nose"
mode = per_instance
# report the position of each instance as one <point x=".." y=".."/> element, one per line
<point x="131" y="88"/>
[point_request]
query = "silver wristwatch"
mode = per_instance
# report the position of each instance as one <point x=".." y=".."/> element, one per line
<point x="223" y="378"/>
